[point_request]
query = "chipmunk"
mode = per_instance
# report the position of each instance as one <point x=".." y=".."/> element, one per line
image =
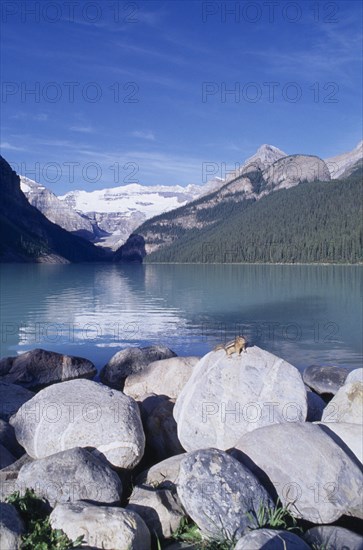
<point x="237" y="345"/>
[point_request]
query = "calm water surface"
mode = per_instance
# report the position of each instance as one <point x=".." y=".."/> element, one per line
<point x="305" y="314"/>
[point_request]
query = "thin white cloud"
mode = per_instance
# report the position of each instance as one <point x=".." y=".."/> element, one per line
<point x="8" y="147"/>
<point x="82" y="129"/>
<point x="21" y="115"/>
<point x="144" y="134"/>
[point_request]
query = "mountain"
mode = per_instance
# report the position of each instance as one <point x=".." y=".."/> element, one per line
<point x="58" y="211"/>
<point x="341" y="164"/>
<point x="254" y="183"/>
<point x="26" y="235"/>
<point x="119" y="210"/>
<point x="310" y="222"/>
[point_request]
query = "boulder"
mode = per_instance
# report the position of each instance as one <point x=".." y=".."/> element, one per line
<point x="9" y="475"/>
<point x="271" y="539"/>
<point x="316" y="406"/>
<point x="8" y="439"/>
<point x="130" y="361"/>
<point x="38" y="368"/>
<point x="325" y="379"/>
<point x="6" y="458"/>
<point x="348" y="436"/>
<point x="346" y="405"/>
<point x="71" y="475"/>
<point x="103" y="527"/>
<point x="165" y="377"/>
<point x="160" y="509"/>
<point x="11" y="527"/>
<point x="228" y="396"/>
<point x="312" y="475"/>
<point x="12" y="397"/>
<point x="85" y="414"/>
<point x="163" y="475"/>
<point x="221" y="495"/>
<point x="161" y="432"/>
<point x="355" y="375"/>
<point x="333" y="537"/>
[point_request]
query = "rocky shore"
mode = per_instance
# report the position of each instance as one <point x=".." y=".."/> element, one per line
<point x="220" y="452"/>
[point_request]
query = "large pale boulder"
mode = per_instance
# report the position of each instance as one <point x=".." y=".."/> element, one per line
<point x="221" y="495"/>
<point x="350" y="436"/>
<point x="228" y="396"/>
<point x="312" y="475"/>
<point x="103" y="527"/>
<point x="11" y="527"/>
<point x="38" y="368"/>
<point x="325" y="379"/>
<point x="165" y="377"/>
<point x="71" y="475"/>
<point x="333" y="537"/>
<point x="355" y="375"/>
<point x="159" y="508"/>
<point x="12" y="397"/>
<point x="346" y="405"/>
<point x="271" y="539"/>
<point x="130" y="361"/>
<point x="85" y="414"/>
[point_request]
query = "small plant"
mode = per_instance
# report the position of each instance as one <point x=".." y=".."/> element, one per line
<point x="278" y="517"/>
<point x="39" y="534"/>
<point x="189" y="532"/>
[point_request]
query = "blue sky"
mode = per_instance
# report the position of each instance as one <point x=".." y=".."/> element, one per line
<point x="138" y="91"/>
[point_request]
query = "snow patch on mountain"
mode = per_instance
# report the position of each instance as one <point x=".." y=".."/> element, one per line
<point x="339" y="164"/>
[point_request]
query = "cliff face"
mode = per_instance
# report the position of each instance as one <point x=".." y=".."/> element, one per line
<point x="28" y="236"/>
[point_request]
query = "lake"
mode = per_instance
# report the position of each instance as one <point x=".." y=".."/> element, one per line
<point x="304" y="313"/>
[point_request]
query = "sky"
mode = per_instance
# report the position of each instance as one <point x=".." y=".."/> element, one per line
<point x="103" y="93"/>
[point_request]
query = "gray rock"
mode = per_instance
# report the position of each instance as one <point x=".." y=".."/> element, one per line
<point x="346" y="405"/>
<point x="349" y="435"/>
<point x="221" y="495"/>
<point x="8" y="439"/>
<point x="85" y="414"/>
<point x="71" y="475"/>
<point x="271" y="539"/>
<point x="310" y="472"/>
<point x="355" y="375"/>
<point x="290" y="170"/>
<point x="38" y="368"/>
<point x="163" y="475"/>
<point x="103" y="527"/>
<point x="165" y="377"/>
<point x="12" y="397"/>
<point x="130" y="361"/>
<point x="6" y="458"/>
<point x="227" y="397"/>
<point x="11" y="527"/>
<point x="161" y="432"/>
<point x="325" y="379"/>
<point x="9" y="476"/>
<point x="332" y="537"/>
<point x="160" y="509"/>
<point x="316" y="406"/>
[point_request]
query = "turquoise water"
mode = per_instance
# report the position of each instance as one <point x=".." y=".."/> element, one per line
<point x="305" y="314"/>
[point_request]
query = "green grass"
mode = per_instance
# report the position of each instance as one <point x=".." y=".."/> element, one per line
<point x="39" y="534"/>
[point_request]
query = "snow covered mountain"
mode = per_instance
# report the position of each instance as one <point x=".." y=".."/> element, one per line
<point x="119" y="210"/>
<point x="56" y="210"/>
<point x="109" y="216"/>
<point x="341" y="163"/>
